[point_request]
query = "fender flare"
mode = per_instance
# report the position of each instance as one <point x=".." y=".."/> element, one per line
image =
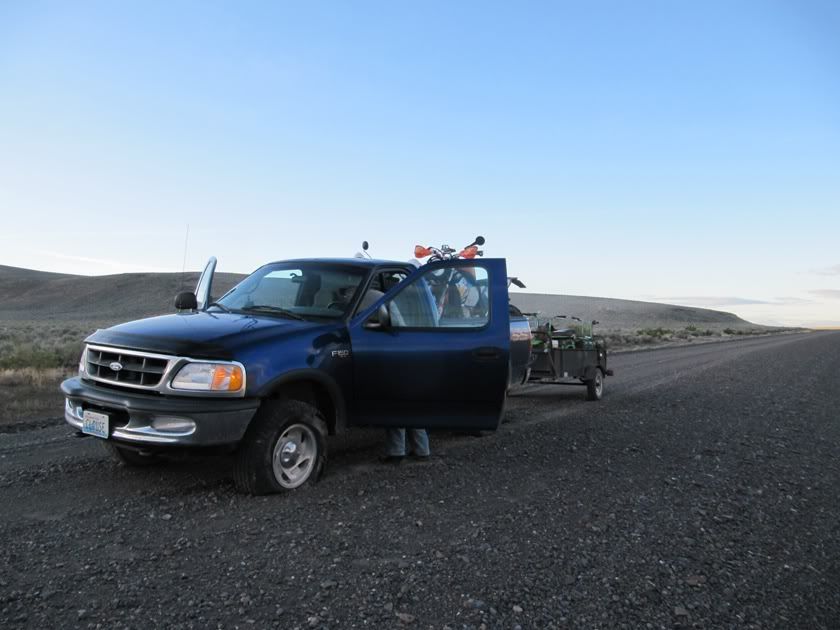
<point x="317" y="376"/>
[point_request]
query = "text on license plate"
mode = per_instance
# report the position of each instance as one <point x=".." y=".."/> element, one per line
<point x="95" y="423"/>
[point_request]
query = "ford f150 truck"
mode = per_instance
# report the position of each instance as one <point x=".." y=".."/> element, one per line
<point x="298" y="350"/>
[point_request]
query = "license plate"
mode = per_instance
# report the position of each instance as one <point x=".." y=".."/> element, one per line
<point x="95" y="423"/>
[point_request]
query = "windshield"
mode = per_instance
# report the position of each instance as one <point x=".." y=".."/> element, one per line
<point x="296" y="290"/>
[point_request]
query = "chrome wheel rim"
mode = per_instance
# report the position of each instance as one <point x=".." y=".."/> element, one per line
<point x="294" y="456"/>
<point x="599" y="384"/>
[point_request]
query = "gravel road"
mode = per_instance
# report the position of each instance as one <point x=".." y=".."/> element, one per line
<point x="701" y="492"/>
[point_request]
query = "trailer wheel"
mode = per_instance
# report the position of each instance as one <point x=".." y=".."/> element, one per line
<point x="595" y="386"/>
<point x="284" y="448"/>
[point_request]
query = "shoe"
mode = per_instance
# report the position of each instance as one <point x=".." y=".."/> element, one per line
<point x="421" y="458"/>
<point x="391" y="459"/>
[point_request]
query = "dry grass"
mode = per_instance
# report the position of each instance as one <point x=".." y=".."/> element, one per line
<point x="32" y="377"/>
<point x="34" y="358"/>
<point x="31" y="395"/>
<point x="38" y="345"/>
<point x="654" y="337"/>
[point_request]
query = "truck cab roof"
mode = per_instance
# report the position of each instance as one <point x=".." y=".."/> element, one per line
<point x="363" y="263"/>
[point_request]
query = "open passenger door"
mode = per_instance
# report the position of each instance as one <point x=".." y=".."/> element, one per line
<point x="433" y="352"/>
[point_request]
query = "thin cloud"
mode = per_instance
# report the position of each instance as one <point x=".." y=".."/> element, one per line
<point x="719" y="301"/>
<point x="831" y="294"/>
<point x="708" y="300"/>
<point x="114" y="264"/>
<point x="828" y="271"/>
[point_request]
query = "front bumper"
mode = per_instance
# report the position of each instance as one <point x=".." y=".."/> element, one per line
<point x="154" y="420"/>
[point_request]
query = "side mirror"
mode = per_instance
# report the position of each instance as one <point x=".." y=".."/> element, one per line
<point x="185" y="301"/>
<point x="381" y="320"/>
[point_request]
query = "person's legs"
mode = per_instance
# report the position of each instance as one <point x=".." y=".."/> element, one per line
<point x="418" y="441"/>
<point x="395" y="442"/>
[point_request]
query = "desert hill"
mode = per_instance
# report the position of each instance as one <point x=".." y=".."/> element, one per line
<point x="26" y="294"/>
<point x="39" y="296"/>
<point x="615" y="314"/>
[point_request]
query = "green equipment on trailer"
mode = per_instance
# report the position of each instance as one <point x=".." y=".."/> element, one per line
<point x="567" y="353"/>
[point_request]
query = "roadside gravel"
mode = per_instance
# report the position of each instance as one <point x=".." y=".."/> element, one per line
<point x="710" y="500"/>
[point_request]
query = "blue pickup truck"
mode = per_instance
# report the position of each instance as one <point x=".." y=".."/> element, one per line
<point x="298" y="350"/>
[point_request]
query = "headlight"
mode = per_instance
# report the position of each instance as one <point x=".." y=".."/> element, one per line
<point x="210" y="377"/>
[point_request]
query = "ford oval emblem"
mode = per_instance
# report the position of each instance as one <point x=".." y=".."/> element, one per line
<point x="116" y="366"/>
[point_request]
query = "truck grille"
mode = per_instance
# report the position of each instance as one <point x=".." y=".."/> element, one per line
<point x="124" y="367"/>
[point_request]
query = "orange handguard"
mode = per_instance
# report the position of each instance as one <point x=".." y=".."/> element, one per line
<point x="469" y="252"/>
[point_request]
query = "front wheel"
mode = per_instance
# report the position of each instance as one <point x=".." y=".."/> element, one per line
<point x="595" y="386"/>
<point x="283" y="449"/>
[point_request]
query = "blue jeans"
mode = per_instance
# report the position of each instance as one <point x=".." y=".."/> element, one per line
<point x="418" y="442"/>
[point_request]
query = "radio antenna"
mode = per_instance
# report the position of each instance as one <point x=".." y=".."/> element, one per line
<point x="184" y="264"/>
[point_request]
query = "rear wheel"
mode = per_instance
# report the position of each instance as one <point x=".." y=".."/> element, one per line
<point x="595" y="386"/>
<point x="283" y="449"/>
<point x="131" y="457"/>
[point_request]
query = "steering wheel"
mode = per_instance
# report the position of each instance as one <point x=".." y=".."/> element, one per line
<point x="339" y="306"/>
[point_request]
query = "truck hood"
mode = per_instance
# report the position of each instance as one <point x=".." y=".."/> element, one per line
<point x="200" y="335"/>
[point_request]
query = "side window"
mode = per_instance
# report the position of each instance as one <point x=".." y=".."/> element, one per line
<point x="413" y="306"/>
<point x="452" y="297"/>
<point x="380" y="283"/>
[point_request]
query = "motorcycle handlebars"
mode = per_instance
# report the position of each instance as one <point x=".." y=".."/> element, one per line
<point x="447" y="253"/>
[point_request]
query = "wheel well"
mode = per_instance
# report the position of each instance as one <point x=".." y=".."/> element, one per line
<point x="312" y="393"/>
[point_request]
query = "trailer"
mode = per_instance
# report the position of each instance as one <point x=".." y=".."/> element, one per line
<point x="565" y="351"/>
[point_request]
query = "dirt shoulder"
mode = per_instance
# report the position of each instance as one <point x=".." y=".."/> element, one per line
<point x="628" y="345"/>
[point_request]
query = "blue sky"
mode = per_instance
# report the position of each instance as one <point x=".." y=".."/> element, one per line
<point x="685" y="152"/>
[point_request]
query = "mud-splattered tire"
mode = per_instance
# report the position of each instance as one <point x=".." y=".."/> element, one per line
<point x="595" y="386"/>
<point x="284" y="448"/>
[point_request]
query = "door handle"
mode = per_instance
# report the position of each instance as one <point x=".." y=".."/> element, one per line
<point x="486" y="353"/>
